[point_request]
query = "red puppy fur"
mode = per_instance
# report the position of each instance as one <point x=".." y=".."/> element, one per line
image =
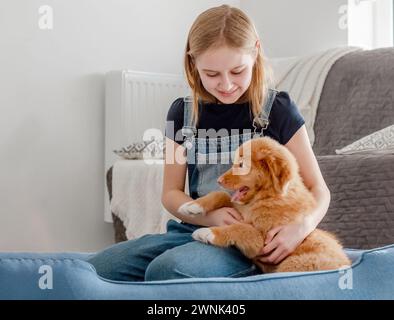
<point x="269" y="192"/>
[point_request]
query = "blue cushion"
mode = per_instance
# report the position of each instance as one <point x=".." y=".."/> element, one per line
<point x="27" y="276"/>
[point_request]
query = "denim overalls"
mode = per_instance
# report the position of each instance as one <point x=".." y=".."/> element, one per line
<point x="175" y="254"/>
<point x="213" y="156"/>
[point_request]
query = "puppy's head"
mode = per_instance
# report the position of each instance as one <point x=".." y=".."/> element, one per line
<point x="261" y="166"/>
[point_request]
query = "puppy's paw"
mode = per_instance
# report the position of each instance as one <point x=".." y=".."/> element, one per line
<point x="191" y="207"/>
<point x="204" y="235"/>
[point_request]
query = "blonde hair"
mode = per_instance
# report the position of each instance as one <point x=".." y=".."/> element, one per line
<point x="225" y="26"/>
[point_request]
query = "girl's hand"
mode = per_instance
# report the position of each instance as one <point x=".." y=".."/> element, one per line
<point x="222" y="217"/>
<point x="282" y="241"/>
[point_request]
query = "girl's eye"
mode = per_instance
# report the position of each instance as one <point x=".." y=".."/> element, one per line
<point x="214" y="75"/>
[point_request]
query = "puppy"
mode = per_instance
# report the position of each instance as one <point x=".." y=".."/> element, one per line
<point x="268" y="192"/>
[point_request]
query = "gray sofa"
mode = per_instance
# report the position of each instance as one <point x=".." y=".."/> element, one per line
<point x="357" y="99"/>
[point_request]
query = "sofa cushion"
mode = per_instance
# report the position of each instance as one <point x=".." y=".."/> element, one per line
<point x="361" y="211"/>
<point x="146" y="149"/>
<point x="381" y="141"/>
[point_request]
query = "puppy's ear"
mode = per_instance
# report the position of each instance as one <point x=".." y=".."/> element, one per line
<point x="279" y="170"/>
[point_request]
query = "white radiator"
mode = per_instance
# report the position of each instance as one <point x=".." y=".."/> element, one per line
<point x="134" y="102"/>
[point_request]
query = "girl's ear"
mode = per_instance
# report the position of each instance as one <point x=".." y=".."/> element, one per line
<point x="192" y="59"/>
<point x="256" y="49"/>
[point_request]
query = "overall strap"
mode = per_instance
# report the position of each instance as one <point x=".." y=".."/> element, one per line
<point x="188" y="129"/>
<point x="262" y="120"/>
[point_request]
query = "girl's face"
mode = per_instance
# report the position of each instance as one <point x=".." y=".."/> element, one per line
<point x="225" y="73"/>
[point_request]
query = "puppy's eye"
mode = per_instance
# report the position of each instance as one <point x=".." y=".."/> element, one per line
<point x="240" y="164"/>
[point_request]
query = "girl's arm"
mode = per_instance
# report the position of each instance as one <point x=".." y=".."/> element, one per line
<point x="283" y="240"/>
<point x="174" y="177"/>
<point x="300" y="147"/>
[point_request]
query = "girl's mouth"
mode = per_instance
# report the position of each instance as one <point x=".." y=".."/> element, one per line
<point x="239" y="194"/>
<point x="227" y="94"/>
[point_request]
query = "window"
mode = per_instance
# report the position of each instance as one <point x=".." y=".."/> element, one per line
<point x="370" y="23"/>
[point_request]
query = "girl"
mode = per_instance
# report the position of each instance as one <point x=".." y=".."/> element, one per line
<point x="225" y="69"/>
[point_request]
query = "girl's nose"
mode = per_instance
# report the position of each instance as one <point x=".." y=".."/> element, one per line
<point x="226" y="84"/>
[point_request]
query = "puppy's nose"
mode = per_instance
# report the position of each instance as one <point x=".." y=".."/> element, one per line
<point x="220" y="180"/>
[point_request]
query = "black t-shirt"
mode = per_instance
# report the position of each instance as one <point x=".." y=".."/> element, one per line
<point x="284" y="119"/>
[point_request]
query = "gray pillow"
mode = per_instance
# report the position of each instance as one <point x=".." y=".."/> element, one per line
<point x="381" y="141"/>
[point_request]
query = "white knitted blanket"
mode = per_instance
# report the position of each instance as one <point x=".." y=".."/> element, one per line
<point x="136" y="197"/>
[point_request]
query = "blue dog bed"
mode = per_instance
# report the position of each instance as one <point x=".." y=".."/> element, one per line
<point x="69" y="276"/>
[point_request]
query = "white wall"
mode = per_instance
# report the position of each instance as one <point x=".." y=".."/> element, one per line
<point x="292" y="28"/>
<point x="52" y="109"/>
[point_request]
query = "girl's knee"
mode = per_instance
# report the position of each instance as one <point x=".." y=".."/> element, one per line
<point x="197" y="260"/>
<point x="163" y="267"/>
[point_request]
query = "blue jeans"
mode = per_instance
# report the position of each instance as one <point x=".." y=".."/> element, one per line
<point x="172" y="255"/>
